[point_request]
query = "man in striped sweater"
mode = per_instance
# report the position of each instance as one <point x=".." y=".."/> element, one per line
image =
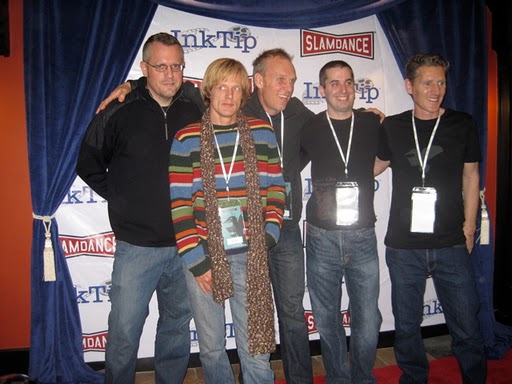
<point x="227" y="200"/>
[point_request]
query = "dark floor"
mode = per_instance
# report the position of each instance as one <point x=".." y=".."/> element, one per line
<point x="436" y="347"/>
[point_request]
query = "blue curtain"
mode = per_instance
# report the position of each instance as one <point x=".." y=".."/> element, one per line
<point x="77" y="51"/>
<point x="283" y="14"/>
<point x="74" y="53"/>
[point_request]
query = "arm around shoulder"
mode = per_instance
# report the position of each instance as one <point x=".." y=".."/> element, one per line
<point x="121" y="91"/>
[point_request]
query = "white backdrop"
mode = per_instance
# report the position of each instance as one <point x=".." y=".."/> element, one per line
<point x="86" y="236"/>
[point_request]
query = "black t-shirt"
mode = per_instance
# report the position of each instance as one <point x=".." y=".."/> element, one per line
<point x="328" y="168"/>
<point x="455" y="143"/>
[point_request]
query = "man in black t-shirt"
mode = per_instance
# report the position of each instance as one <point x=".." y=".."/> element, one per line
<point x="341" y="244"/>
<point x="434" y="155"/>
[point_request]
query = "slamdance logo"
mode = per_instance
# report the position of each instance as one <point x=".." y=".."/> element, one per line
<point x="95" y="342"/>
<point x="320" y="43"/>
<point x="236" y="37"/>
<point x="101" y="245"/>
<point x="311" y="323"/>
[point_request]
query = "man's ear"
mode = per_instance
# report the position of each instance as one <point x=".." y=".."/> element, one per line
<point x="144" y="68"/>
<point x="322" y="90"/>
<point x="258" y="80"/>
<point x="408" y="86"/>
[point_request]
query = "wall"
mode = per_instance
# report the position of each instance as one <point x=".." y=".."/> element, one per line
<point x="16" y="222"/>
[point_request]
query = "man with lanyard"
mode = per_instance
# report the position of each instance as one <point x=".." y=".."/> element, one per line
<point x="274" y="78"/>
<point x="434" y="154"/>
<point x="341" y="244"/>
<point x="272" y="101"/>
<point x="225" y="175"/>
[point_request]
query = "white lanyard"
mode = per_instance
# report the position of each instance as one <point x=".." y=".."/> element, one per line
<point x="280" y="151"/>
<point x="345" y="161"/>
<point x="423" y="163"/>
<point x="227" y="176"/>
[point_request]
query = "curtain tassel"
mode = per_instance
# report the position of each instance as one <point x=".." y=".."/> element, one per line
<point x="48" y="254"/>
<point x="484" y="220"/>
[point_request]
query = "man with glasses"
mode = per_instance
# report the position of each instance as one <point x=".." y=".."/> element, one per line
<point x="124" y="157"/>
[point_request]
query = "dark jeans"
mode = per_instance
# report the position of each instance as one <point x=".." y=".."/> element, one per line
<point x="286" y="262"/>
<point x="349" y="256"/>
<point x="452" y="273"/>
<point x="137" y="273"/>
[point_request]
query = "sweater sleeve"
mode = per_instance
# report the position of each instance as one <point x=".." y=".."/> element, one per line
<point x="191" y="246"/>
<point x="275" y="192"/>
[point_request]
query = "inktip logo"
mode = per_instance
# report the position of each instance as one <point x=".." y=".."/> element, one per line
<point x="432" y="308"/>
<point x="311" y="94"/>
<point x="363" y="83"/>
<point x="239" y="32"/>
<point x="364" y="87"/>
<point x="236" y="37"/>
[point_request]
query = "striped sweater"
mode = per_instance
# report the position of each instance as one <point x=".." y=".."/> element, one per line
<point x="187" y="201"/>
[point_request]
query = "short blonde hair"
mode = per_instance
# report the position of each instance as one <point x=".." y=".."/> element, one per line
<point x="220" y="70"/>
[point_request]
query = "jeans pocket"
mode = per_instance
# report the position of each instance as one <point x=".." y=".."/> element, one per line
<point x="314" y="231"/>
<point x="367" y="234"/>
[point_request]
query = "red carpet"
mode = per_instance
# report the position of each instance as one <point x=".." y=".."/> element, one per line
<point x="444" y="371"/>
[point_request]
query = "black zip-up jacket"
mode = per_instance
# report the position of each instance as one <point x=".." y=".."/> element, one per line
<point x="295" y="115"/>
<point x="124" y="157"/>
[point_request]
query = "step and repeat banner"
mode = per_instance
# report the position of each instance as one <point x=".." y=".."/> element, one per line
<point x="86" y="236"/>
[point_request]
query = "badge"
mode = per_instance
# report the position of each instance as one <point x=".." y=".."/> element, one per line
<point x="232" y="222"/>
<point x="347" y="203"/>
<point x="287" y="215"/>
<point x="423" y="212"/>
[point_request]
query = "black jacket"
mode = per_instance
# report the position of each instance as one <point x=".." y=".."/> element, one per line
<point x="295" y="117"/>
<point x="124" y="157"/>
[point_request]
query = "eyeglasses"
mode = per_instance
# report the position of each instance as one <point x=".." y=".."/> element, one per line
<point x="163" y="67"/>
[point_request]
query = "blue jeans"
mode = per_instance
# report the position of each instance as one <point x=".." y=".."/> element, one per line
<point x="334" y="255"/>
<point x="286" y="262"/>
<point x="137" y="273"/>
<point x="452" y="273"/>
<point x="210" y="322"/>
